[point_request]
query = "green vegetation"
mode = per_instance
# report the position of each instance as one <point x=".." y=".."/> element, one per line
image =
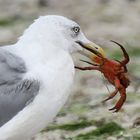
<point x="103" y="131"/>
<point x="7" y="22"/>
<point x="136" y="137"/>
<point x="75" y="125"/>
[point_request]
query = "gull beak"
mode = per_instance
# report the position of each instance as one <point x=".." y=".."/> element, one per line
<point x="91" y="50"/>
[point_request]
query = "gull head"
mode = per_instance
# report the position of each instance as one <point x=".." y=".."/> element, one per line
<point x="60" y="32"/>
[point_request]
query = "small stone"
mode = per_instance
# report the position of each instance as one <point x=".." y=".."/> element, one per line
<point x="136" y="122"/>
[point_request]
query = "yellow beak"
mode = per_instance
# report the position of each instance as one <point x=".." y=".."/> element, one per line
<point x="91" y="50"/>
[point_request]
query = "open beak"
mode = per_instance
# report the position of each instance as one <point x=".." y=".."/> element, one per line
<point x="91" y="50"/>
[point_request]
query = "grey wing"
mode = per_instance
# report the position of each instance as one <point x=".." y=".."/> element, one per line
<point x="15" y="93"/>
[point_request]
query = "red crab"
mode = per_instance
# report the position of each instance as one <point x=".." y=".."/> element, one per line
<point x="114" y="71"/>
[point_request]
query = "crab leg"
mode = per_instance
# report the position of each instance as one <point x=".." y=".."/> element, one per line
<point x="121" y="101"/>
<point x="89" y="63"/>
<point x="111" y="96"/>
<point x="122" y="92"/>
<point x="87" y="68"/>
<point x="126" y="56"/>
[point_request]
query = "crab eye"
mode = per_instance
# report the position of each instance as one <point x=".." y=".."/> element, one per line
<point x="76" y="29"/>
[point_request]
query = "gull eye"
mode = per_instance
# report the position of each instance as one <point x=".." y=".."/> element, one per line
<point x="76" y="29"/>
<point x="96" y="48"/>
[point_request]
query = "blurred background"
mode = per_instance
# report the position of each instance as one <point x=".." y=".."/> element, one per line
<point x="84" y="117"/>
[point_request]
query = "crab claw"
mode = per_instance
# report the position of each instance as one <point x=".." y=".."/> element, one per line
<point x="126" y="56"/>
<point x="119" y="104"/>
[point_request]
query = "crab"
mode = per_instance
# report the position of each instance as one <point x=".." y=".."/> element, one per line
<point x="114" y="71"/>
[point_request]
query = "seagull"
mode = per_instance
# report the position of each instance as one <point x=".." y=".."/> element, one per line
<point x="37" y="73"/>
